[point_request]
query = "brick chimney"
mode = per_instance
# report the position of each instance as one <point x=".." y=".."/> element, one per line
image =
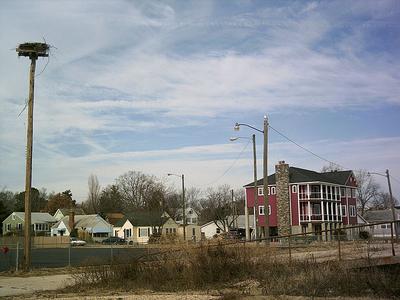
<point x="283" y="197"/>
<point x="71" y="221"/>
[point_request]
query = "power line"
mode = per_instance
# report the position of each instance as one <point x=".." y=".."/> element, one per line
<point x="304" y="148"/>
<point x="230" y="167"/>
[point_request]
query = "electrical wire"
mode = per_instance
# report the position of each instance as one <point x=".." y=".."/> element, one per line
<point x="230" y="167"/>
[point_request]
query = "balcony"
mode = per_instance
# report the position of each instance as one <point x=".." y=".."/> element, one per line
<point x="318" y="218"/>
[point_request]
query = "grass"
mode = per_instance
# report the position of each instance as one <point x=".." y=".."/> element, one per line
<point x="225" y="267"/>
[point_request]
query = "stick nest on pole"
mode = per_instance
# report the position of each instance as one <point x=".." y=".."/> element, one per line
<point x="33" y="49"/>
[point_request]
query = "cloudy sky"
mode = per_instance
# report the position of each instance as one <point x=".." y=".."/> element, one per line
<point x="156" y="86"/>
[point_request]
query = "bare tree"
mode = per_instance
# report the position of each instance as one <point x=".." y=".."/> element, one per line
<point x="140" y="190"/>
<point x="193" y="198"/>
<point x="217" y="207"/>
<point x="382" y="201"/>
<point x="94" y="194"/>
<point x="367" y="189"/>
<point x="331" y="168"/>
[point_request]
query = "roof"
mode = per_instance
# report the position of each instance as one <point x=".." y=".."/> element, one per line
<point x="37" y="217"/>
<point x="144" y="218"/>
<point x="77" y="210"/>
<point x="240" y="221"/>
<point x="114" y="218"/>
<point x="297" y="175"/>
<point x="81" y="221"/>
<point x="380" y="215"/>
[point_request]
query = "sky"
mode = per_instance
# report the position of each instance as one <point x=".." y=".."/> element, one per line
<point x="157" y="86"/>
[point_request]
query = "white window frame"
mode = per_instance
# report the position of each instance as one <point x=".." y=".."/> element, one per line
<point x="19" y="226"/>
<point x="344" y="210"/>
<point x="261" y="210"/>
<point x="260" y="191"/>
<point x="273" y="190"/>
<point x="294" y="189"/>
<point x="352" y="210"/>
<point x="8" y="227"/>
<point x="144" y="229"/>
<point x="269" y="209"/>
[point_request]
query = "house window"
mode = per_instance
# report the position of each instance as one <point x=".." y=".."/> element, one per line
<point x="344" y="210"/>
<point x="294" y="189"/>
<point x="260" y="191"/>
<point x="348" y="192"/>
<point x="8" y="227"/>
<point x="385" y="226"/>
<point x="352" y="211"/>
<point x="273" y="190"/>
<point x="261" y="210"/>
<point x="193" y="231"/>
<point x="217" y="230"/>
<point x="194" y="220"/>
<point x="343" y="192"/>
<point x="19" y="226"/>
<point x="143" y="232"/>
<point x="353" y="193"/>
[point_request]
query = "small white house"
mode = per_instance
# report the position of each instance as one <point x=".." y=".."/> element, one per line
<point x="384" y="215"/>
<point x="94" y="225"/>
<point x="211" y="229"/>
<point x="63" y="212"/>
<point x="191" y="216"/>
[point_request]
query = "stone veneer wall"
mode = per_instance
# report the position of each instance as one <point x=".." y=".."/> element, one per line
<point x="283" y="198"/>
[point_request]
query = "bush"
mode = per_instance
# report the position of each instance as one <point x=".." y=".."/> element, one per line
<point x="364" y="235"/>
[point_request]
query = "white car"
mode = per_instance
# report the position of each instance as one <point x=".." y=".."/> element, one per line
<point x="76" y="242"/>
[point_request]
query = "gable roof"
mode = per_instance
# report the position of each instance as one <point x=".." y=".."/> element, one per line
<point x="81" y="221"/>
<point x="65" y="211"/>
<point x="144" y="218"/>
<point x="298" y="175"/>
<point x="37" y="217"/>
<point x="114" y="218"/>
<point x="380" y="215"/>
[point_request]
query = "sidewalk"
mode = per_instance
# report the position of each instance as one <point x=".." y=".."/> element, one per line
<point x="13" y="286"/>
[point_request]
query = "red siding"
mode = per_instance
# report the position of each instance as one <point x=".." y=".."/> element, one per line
<point x="294" y="207"/>
<point x="272" y="202"/>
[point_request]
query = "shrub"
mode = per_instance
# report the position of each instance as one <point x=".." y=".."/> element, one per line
<point x="364" y="235"/>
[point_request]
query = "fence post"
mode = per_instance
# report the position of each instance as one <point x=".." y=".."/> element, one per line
<point x="339" y="249"/>
<point x="111" y="253"/>
<point x="392" y="239"/>
<point x="17" y="258"/>
<point x="69" y="254"/>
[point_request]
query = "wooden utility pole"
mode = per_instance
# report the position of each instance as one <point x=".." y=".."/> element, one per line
<point x="392" y="206"/>
<point x="265" y="181"/>
<point x="33" y="51"/>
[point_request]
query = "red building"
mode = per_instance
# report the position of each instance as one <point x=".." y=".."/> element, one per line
<point x="309" y="200"/>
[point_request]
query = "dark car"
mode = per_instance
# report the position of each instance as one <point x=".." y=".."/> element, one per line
<point x="114" y="240"/>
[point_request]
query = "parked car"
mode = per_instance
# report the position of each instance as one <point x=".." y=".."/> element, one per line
<point x="75" y="242"/>
<point x="114" y="240"/>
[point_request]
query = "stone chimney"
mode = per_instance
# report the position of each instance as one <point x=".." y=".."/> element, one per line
<point x="283" y="197"/>
<point x="71" y="221"/>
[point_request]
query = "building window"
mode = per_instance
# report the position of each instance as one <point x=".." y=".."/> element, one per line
<point x="8" y="227"/>
<point x="273" y="190"/>
<point x="385" y="226"/>
<point x="352" y="211"/>
<point x="261" y="210"/>
<point x="294" y="189"/>
<point x="143" y="232"/>
<point x="19" y="226"/>
<point x="348" y="192"/>
<point x="344" y="210"/>
<point x="218" y="230"/>
<point x="193" y="231"/>
<point x="353" y="193"/>
<point x="194" y="220"/>
<point x="260" y="191"/>
<point x="342" y="192"/>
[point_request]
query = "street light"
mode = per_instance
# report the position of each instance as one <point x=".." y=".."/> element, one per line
<point x="183" y="203"/>
<point x="246" y="210"/>
<point x="391" y="199"/>
<point x="265" y="171"/>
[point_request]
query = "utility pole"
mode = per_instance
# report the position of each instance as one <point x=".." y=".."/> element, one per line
<point x="33" y="51"/>
<point x="255" y="187"/>
<point x="183" y="207"/>
<point x="392" y="206"/>
<point x="265" y="181"/>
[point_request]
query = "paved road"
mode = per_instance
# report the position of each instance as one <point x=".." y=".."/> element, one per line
<point x="76" y="256"/>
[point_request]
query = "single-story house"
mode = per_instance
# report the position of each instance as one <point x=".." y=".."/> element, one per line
<point x="93" y="225"/>
<point x="211" y="229"/>
<point x="114" y="219"/>
<point x="137" y="227"/>
<point x="384" y="215"/>
<point x="41" y="223"/>
<point x="63" y="212"/>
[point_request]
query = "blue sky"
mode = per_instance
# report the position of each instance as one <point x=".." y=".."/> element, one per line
<point x="156" y="86"/>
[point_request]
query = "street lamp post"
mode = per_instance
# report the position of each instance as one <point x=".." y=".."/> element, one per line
<point x="183" y="203"/>
<point x="246" y="209"/>
<point x="265" y="172"/>
<point x="391" y="200"/>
